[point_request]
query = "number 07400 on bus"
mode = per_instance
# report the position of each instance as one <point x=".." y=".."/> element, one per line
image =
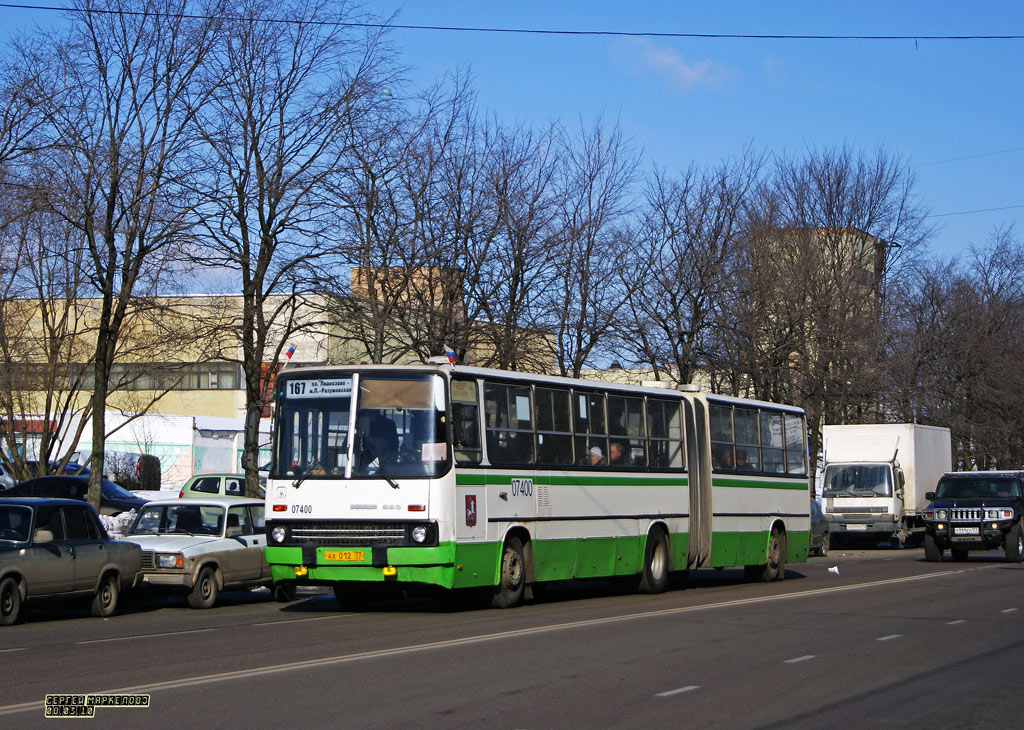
<point x="463" y="477"/>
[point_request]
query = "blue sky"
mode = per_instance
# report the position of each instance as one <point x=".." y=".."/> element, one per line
<point x="702" y="100"/>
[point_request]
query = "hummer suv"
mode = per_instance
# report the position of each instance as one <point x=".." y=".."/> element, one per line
<point x="976" y="510"/>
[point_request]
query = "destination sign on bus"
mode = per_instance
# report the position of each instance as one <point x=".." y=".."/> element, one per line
<point x="319" y="388"/>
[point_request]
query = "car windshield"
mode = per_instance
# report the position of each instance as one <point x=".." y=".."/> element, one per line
<point x="14" y="522"/>
<point x="990" y="487"/>
<point x="115" y="491"/>
<point x="176" y="519"/>
<point x="400" y="428"/>
<point x="858" y="480"/>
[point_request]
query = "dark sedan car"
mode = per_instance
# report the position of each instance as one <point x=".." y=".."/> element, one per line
<point x="57" y="549"/>
<point x="113" y="499"/>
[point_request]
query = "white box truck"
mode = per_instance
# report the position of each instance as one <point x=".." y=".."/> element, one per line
<point x="875" y="477"/>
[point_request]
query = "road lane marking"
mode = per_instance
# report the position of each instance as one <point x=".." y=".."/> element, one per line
<point x="669" y="693"/>
<point x="958" y="621"/>
<point x="798" y="659"/>
<point x="890" y="637"/>
<point x="300" y="620"/>
<point x="5" y="651"/>
<point x="144" y="636"/>
<point x="1008" y="610"/>
<point x="246" y="675"/>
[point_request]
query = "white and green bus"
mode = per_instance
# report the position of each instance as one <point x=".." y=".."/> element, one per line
<point x="462" y="477"/>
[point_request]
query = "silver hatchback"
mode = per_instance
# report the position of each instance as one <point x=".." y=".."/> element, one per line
<point x="201" y="546"/>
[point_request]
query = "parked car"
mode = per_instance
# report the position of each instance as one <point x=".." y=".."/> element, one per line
<point x="114" y="499"/>
<point x="975" y="510"/>
<point x="820" y="535"/>
<point x="57" y="549"/>
<point x="202" y="546"/>
<point x="216" y="485"/>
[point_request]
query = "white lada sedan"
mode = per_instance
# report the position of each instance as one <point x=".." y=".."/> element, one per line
<point x="202" y="546"/>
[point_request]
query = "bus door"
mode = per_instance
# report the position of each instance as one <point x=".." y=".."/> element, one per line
<point x="698" y="464"/>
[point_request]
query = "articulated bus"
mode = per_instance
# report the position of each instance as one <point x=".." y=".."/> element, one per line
<point x="387" y="477"/>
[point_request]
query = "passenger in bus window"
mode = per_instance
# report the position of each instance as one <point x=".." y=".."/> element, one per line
<point x="617" y="454"/>
<point x="721" y="458"/>
<point x="595" y="457"/>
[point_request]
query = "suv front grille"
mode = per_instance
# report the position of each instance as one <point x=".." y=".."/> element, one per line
<point x="964" y="514"/>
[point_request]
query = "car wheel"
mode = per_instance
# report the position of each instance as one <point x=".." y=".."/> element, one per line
<point x="284" y="592"/>
<point x="104" y="603"/>
<point x="10" y="602"/>
<point x="204" y="592"/>
<point x="1015" y="544"/>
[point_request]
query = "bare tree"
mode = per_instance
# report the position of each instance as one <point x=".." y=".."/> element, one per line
<point x="117" y="137"/>
<point x="692" y="231"/>
<point x="594" y="268"/>
<point x="276" y="128"/>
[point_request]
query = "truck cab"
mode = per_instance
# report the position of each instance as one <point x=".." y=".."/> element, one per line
<point x="864" y="500"/>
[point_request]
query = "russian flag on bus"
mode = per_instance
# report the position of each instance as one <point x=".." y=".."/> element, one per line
<point x="450" y="354"/>
<point x="291" y="351"/>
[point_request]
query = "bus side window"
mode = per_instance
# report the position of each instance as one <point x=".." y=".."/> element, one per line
<point x="466" y="433"/>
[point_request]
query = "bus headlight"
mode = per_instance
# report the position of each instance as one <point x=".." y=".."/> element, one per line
<point x="278" y="534"/>
<point x="419" y="534"/>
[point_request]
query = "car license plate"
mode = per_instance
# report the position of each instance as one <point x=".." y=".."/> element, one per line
<point x="965" y="531"/>
<point x="856" y="527"/>
<point x="345" y="556"/>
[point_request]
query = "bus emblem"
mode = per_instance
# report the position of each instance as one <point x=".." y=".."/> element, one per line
<point x="470" y="510"/>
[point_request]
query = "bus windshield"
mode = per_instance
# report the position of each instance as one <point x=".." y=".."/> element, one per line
<point x="398" y="420"/>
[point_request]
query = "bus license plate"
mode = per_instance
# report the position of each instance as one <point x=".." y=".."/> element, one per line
<point x="965" y="530"/>
<point x="345" y="556"/>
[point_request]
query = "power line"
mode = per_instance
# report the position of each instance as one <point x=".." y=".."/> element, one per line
<point x="979" y="210"/>
<point x="970" y="157"/>
<point x="549" y="31"/>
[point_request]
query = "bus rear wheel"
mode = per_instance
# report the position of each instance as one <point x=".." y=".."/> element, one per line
<point x="512" y="581"/>
<point x="654" y="576"/>
<point x="774" y="567"/>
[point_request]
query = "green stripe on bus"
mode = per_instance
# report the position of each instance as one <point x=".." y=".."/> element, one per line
<point x="748" y="483"/>
<point x="482" y="480"/>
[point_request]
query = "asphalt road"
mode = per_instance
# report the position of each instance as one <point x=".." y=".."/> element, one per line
<point x="890" y="641"/>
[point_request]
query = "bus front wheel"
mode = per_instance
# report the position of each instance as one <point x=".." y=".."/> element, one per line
<point x="512" y="581"/>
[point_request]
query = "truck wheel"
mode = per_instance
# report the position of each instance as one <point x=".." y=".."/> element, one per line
<point x="1015" y="544"/>
<point x="825" y="539"/>
<point x="932" y="552"/>
<point x="10" y="602"/>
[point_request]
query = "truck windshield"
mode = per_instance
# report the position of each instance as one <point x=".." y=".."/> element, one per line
<point x="400" y="427"/>
<point x="991" y="487"/>
<point x="857" y="480"/>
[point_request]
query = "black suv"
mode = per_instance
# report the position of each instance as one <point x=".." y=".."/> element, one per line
<point x="975" y="510"/>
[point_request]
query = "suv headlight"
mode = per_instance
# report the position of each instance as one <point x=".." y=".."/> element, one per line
<point x="169" y="560"/>
<point x="999" y="514"/>
<point x="941" y="514"/>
